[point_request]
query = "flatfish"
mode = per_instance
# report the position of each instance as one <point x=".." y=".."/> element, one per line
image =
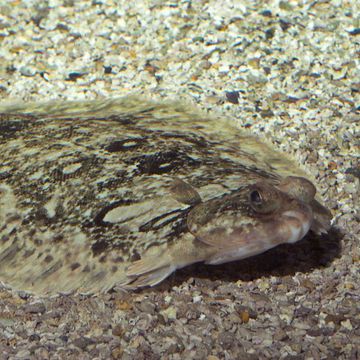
<point x="125" y="191"/>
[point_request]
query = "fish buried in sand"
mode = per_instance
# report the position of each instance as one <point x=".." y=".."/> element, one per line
<point x="124" y="192"/>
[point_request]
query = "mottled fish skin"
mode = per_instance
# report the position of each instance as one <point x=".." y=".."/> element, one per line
<point x="88" y="188"/>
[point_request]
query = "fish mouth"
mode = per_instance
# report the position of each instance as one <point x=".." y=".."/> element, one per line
<point x="297" y="223"/>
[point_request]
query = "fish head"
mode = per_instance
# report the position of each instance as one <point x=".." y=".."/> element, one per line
<point x="254" y="219"/>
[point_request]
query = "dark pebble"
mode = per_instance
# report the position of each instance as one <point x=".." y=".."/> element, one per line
<point x="35" y="308"/>
<point x="83" y="342"/>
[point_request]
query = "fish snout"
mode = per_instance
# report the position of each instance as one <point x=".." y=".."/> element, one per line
<point x="295" y="223"/>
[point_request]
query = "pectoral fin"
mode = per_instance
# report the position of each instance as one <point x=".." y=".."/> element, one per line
<point x="184" y="192"/>
<point x="148" y="271"/>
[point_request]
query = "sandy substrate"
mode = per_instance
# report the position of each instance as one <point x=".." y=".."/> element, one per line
<point x="288" y="71"/>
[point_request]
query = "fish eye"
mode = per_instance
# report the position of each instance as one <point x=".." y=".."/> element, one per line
<point x="264" y="198"/>
<point x="255" y="198"/>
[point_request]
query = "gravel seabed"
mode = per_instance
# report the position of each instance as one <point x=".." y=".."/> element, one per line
<point x="288" y="71"/>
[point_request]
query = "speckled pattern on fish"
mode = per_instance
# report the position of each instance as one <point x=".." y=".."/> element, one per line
<point x="87" y="188"/>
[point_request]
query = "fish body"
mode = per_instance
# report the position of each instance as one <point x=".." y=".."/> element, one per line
<point x="126" y="191"/>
